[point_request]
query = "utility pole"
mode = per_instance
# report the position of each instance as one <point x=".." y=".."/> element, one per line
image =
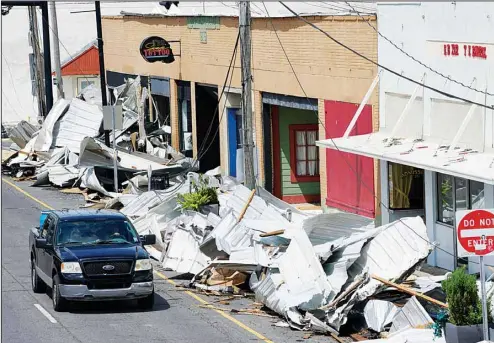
<point x="56" y="49"/>
<point x="37" y="60"/>
<point x="102" y="74"/>
<point x="245" y="56"/>
<point x="47" y="58"/>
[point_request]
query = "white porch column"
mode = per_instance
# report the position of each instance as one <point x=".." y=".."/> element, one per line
<point x="384" y="192"/>
<point x="430" y="186"/>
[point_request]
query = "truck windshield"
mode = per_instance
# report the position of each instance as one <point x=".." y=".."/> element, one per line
<point x="96" y="232"/>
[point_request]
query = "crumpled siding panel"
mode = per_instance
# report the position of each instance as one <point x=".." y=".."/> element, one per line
<point x="63" y="176"/>
<point x="183" y="255"/>
<point x="81" y="120"/>
<point x="303" y="274"/>
<point x="413" y="315"/>
<point x="331" y="226"/>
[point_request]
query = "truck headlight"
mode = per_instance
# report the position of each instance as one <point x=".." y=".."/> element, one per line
<point x="144" y="264"/>
<point x="71" y="268"/>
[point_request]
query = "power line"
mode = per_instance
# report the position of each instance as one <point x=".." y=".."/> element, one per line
<point x="415" y="59"/>
<point x="224" y="105"/>
<point x="449" y="95"/>
<point x="232" y="63"/>
<point x="339" y="151"/>
<point x="13" y="108"/>
<point x="12" y="79"/>
<point x="202" y="150"/>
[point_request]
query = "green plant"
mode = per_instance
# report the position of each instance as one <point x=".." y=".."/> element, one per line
<point x="463" y="300"/>
<point x="202" y="195"/>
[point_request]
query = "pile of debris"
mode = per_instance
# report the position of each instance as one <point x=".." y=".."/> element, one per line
<point x="68" y="150"/>
<point x="318" y="272"/>
<point x="315" y="271"/>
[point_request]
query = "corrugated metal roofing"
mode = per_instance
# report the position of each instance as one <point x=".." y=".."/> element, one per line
<point x="81" y="120"/>
<point x="62" y="176"/>
<point x="331" y="226"/>
<point x="412" y="315"/>
<point x="430" y="156"/>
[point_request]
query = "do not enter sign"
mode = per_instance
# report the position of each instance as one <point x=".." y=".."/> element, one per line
<point x="475" y="232"/>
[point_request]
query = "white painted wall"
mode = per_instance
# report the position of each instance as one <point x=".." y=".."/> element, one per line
<point x="69" y="86"/>
<point x="421" y="29"/>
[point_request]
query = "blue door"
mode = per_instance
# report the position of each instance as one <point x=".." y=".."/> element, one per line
<point x="234" y="138"/>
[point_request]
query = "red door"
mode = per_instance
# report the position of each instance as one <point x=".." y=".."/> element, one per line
<point x="350" y="178"/>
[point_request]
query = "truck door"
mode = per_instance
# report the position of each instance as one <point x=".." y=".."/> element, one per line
<point x="45" y="255"/>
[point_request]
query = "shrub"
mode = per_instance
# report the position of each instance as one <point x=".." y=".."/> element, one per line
<point x="463" y="300"/>
<point x="202" y="195"/>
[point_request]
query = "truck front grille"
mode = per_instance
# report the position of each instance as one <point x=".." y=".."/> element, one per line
<point x="107" y="267"/>
<point x="108" y="285"/>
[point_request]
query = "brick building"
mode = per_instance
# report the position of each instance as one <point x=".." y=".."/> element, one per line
<point x="286" y="123"/>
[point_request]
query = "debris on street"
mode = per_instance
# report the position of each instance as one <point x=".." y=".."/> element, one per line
<point x="315" y="271"/>
<point x="68" y="150"/>
<point x="311" y="270"/>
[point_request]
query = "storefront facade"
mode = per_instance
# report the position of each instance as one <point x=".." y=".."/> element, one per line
<point x="286" y="123"/>
<point x="436" y="152"/>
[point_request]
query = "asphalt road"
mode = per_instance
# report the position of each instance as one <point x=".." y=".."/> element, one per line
<point x="6" y="143"/>
<point x="176" y="317"/>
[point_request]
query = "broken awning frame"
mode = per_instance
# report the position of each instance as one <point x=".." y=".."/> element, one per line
<point x="428" y="154"/>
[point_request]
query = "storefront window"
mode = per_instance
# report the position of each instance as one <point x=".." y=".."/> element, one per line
<point x="456" y="194"/>
<point x="445" y="198"/>
<point x="304" y="154"/>
<point x="406" y="187"/>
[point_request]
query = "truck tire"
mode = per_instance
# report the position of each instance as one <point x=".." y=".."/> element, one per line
<point x="37" y="284"/>
<point x="60" y="304"/>
<point x="146" y="303"/>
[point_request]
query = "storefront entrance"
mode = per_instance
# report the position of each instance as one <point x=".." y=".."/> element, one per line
<point x="208" y="137"/>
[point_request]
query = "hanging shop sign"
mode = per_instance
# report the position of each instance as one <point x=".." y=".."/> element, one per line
<point x="156" y="49"/>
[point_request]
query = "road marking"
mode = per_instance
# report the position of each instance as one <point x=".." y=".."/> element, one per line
<point x="195" y="296"/>
<point x="27" y="194"/>
<point x="222" y="313"/>
<point x="45" y="313"/>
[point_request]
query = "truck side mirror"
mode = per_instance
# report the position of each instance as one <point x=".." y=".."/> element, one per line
<point x="40" y="243"/>
<point x="148" y="239"/>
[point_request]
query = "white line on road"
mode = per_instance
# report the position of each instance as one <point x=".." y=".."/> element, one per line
<point x="45" y="313"/>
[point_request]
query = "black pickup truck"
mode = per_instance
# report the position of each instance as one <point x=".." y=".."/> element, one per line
<point x="90" y="255"/>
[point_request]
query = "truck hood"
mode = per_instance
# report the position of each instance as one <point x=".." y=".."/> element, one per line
<point x="127" y="251"/>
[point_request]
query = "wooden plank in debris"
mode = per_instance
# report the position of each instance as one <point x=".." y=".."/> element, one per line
<point x="249" y="200"/>
<point x="337" y="338"/>
<point x="272" y="233"/>
<point x="409" y="291"/>
<point x="357" y="338"/>
<point x="349" y="290"/>
<point x="241" y="311"/>
<point x="74" y="190"/>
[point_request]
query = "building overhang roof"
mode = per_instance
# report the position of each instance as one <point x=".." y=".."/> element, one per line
<point x="424" y="154"/>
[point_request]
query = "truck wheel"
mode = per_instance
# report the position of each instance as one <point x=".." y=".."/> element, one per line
<point x="37" y="284"/>
<point x="60" y="304"/>
<point x="146" y="303"/>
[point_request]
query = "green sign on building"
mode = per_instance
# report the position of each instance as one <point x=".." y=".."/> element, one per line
<point x="208" y="23"/>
